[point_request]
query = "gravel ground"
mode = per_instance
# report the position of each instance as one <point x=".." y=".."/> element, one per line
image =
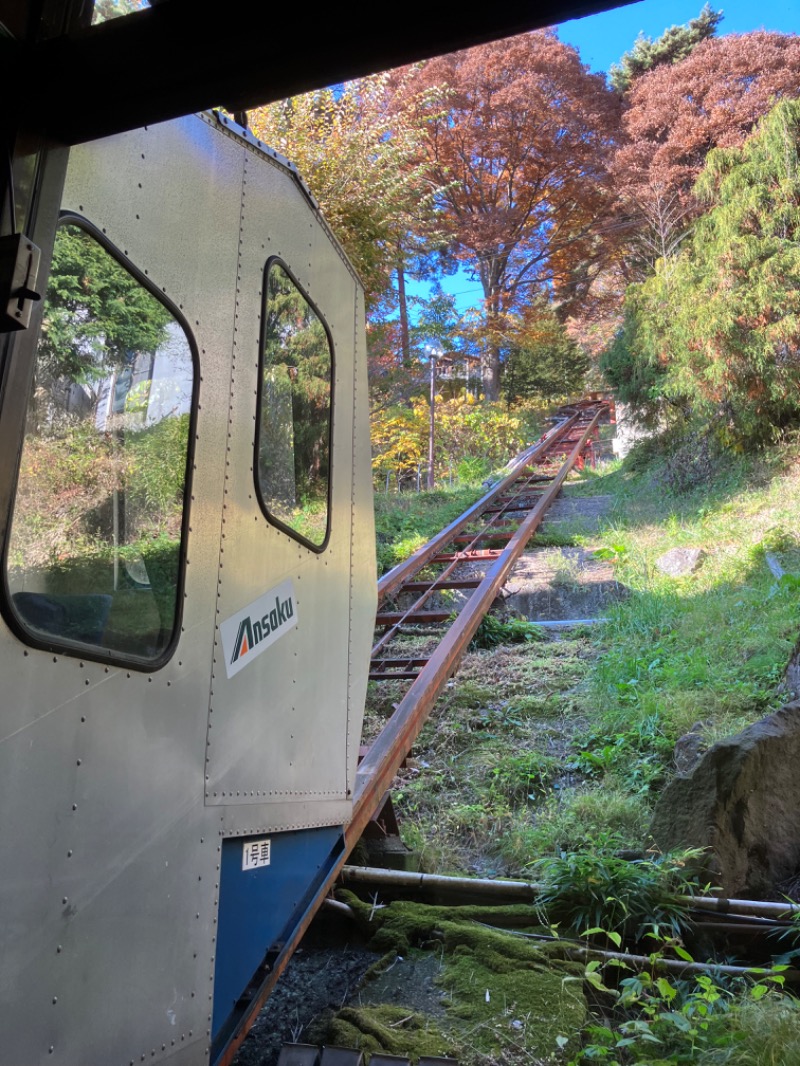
<point x="317" y="977"/>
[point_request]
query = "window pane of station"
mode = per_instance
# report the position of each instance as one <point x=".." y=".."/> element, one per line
<point x="95" y="549"/>
<point x="295" y="412"/>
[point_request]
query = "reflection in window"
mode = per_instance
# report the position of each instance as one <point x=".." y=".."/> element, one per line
<point x="94" y="554"/>
<point x="295" y="412"/>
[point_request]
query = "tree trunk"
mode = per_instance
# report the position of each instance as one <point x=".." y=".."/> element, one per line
<point x="405" y="343"/>
<point x="490" y="359"/>
<point x="490" y="371"/>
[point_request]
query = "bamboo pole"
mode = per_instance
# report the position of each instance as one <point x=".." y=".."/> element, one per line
<point x="531" y="890"/>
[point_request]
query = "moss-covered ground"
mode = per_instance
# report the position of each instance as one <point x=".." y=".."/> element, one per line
<point x="501" y="997"/>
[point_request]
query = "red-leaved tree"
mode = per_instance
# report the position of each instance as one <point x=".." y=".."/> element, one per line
<point x="517" y="145"/>
<point x="677" y="113"/>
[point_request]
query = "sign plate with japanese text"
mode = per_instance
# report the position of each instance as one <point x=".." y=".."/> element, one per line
<point x="256" y="853"/>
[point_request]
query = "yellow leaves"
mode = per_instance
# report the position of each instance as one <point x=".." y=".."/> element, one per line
<point x="464" y="429"/>
<point x="399" y="438"/>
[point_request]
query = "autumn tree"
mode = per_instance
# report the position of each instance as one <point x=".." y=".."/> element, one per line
<point x="518" y="159"/>
<point x="675" y="114"/>
<point x="672" y="46"/>
<point x="357" y="157"/>
<point x="105" y="10"/>
<point x="716" y="331"/>
<point x="470" y="437"/>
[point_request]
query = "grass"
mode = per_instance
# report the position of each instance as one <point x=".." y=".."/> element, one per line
<point x="548" y="746"/>
<point x="488" y="755"/>
<point x="406" y="521"/>
<point x="558" y="749"/>
<point x="711" y="648"/>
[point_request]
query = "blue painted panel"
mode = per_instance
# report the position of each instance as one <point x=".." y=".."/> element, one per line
<point x="261" y="907"/>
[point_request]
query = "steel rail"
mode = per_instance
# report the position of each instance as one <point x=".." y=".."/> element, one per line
<point x="377" y="770"/>
<point x="492" y="517"/>
<point x="393" y="620"/>
<point x="511" y="499"/>
<point x="401" y="573"/>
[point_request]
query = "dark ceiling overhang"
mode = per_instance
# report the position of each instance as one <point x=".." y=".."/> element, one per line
<point x="172" y="60"/>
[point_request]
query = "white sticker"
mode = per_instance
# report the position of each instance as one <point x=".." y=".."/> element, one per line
<point x="250" y="631"/>
<point x="256" y="853"/>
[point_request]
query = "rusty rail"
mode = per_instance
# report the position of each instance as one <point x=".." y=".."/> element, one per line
<point x="398" y="576"/>
<point x="464" y="548"/>
<point x="378" y="768"/>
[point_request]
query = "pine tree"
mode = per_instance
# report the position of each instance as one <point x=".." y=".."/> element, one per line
<point x="672" y="46"/>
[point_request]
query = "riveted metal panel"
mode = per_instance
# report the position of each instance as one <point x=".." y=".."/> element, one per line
<point x="256" y="905"/>
<point x="112" y="833"/>
<point x="278" y="728"/>
<point x="363" y="566"/>
<point x="109" y="897"/>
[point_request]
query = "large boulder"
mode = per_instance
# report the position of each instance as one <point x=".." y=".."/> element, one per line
<point x="742" y="801"/>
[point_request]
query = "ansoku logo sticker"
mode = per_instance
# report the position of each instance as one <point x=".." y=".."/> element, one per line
<point x="249" y="632"/>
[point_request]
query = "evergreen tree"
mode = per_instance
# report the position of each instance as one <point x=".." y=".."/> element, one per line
<point x="672" y="46"/>
<point x="543" y="361"/>
<point x="717" y="329"/>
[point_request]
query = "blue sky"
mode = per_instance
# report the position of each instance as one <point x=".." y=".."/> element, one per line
<point x="602" y="39"/>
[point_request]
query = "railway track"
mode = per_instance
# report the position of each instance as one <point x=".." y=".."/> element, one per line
<point x="486" y="535"/>
<point x="487" y="539"/>
<point x="473" y="557"/>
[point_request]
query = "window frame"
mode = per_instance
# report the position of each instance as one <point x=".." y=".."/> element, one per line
<point x="318" y="549"/>
<point x="12" y="618"/>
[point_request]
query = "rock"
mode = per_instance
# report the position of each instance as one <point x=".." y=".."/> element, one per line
<point x="689" y="749"/>
<point x="742" y="801"/>
<point x="680" y="561"/>
<point x="774" y="565"/>
<point x="790" y="685"/>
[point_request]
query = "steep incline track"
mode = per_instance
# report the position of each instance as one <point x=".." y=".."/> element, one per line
<point x="474" y="555"/>
<point x="492" y="534"/>
<point x="456" y="560"/>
